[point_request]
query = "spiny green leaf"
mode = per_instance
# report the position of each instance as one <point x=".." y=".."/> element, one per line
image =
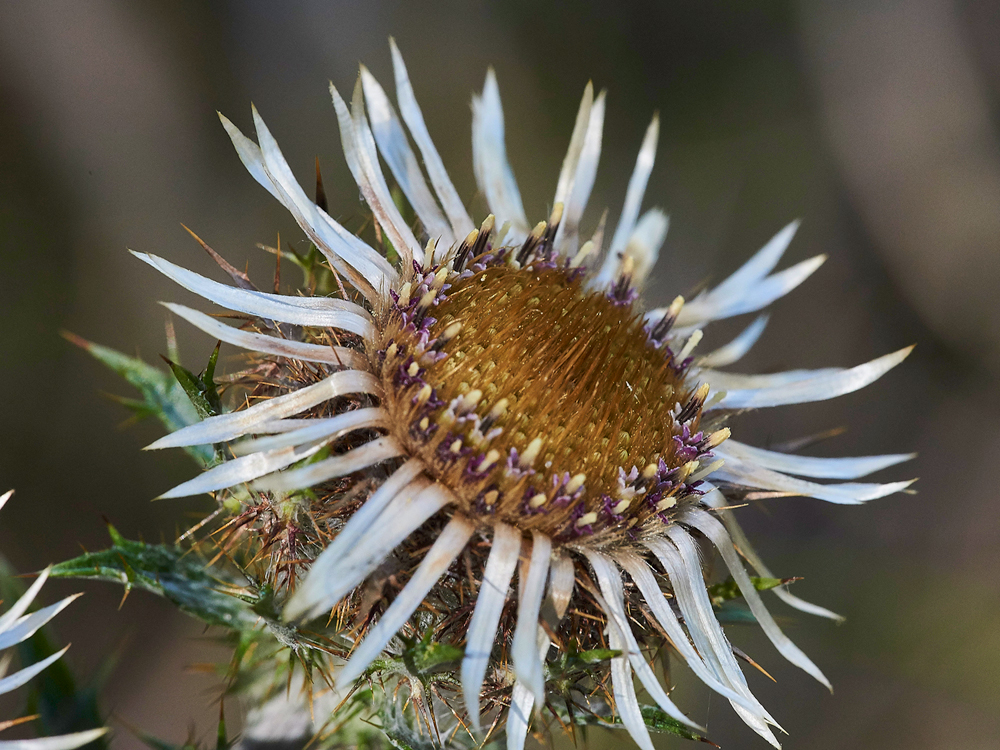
<point x="162" y="395"/>
<point x="734" y="612"/>
<point x="194" y="388"/>
<point x="426" y="654"/>
<point x="597" y="655"/>
<point x="169" y="571"/>
<point x="728" y="589"/>
<point x="580" y="661"/>
<point x="658" y="721"/>
<point x="654" y="718"/>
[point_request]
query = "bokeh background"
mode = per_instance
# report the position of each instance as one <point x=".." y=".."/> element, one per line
<point x="874" y="121"/>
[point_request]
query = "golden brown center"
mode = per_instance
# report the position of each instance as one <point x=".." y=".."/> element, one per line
<point x="533" y="399"/>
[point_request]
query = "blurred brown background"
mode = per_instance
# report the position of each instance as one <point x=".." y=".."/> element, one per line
<point x="874" y="121"/>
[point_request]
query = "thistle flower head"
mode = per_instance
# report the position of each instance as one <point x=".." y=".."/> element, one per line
<point x="496" y="402"/>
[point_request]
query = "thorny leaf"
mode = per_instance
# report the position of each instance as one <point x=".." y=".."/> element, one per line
<point x="200" y="388"/>
<point x="726" y="590"/>
<point x="169" y="571"/>
<point x="734" y="612"/>
<point x="162" y="395"/>
<point x="426" y="655"/>
<point x="653" y="717"/>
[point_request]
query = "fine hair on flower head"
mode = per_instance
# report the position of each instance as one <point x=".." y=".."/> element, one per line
<point x="454" y="403"/>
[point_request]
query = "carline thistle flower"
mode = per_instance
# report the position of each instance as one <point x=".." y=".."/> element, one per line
<point x="496" y="400"/>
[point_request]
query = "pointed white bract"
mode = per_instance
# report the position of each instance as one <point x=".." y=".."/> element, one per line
<point x="346" y="252"/>
<point x="225" y="427"/>
<point x="329" y="428"/>
<point x="341" y="567"/>
<point x="27" y="625"/>
<point x="493" y="590"/>
<point x="242" y="469"/>
<point x="562" y="578"/>
<point x="812" y="466"/>
<point x="610" y="583"/>
<point x="746" y="474"/>
<point x="626" y="704"/>
<point x="524" y="647"/>
<point x="737" y="348"/>
<point x="817" y="387"/>
<point x="395" y="149"/>
<point x="568" y="172"/>
<point x="359" y="149"/>
<point x="680" y="560"/>
<point x="644" y="578"/>
<point x="580" y="168"/>
<point x="519" y="715"/>
<point x="322" y="312"/>
<point x="489" y="158"/>
<point x="643" y="246"/>
<point x="441" y="555"/>
<point x="633" y="202"/>
<point x="16" y="627"/>
<point x="364" y="456"/>
<point x="741" y="283"/>
<point x="21" y="677"/>
<point x="715" y="499"/>
<point x="715" y="531"/>
<point x="340" y="356"/>
<point x="414" y="119"/>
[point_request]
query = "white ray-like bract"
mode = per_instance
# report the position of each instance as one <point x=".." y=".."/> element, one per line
<point x="225" y="427"/>
<point x="492" y="595"/>
<point x="322" y="312"/>
<point x="345" y="251"/>
<point x="609" y="581"/>
<point x="737" y="348"/>
<point x="340" y="569"/>
<point x="397" y="487"/>
<point x="395" y="149"/>
<point x="414" y="119"/>
<point x="634" y="194"/>
<point x="582" y="172"/>
<point x="562" y="579"/>
<point x="369" y="418"/>
<point x="528" y="665"/>
<point x="827" y="384"/>
<point x="812" y="466"/>
<point x="340" y="356"/>
<point x="359" y="147"/>
<point x="714" y="530"/>
<point x="17" y="626"/>
<point x="645" y="579"/>
<point x="489" y="157"/>
<point x="714" y="499"/>
<point x="438" y="559"/>
<point x="367" y="455"/>
<point x="845" y="493"/>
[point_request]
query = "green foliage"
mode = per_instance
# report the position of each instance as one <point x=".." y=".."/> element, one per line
<point x="726" y="590"/>
<point x="426" y="655"/>
<point x="169" y="571"/>
<point x="200" y="389"/>
<point x="658" y="721"/>
<point x="163" y="396"/>
<point x="727" y="601"/>
<point x="653" y="717"/>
